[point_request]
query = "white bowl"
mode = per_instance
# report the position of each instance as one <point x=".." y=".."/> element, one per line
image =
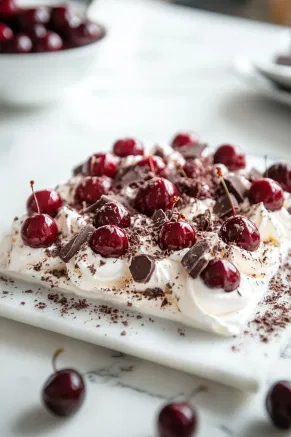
<point x="42" y="78"/>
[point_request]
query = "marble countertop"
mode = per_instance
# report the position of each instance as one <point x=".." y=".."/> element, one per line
<point x="163" y="68"/>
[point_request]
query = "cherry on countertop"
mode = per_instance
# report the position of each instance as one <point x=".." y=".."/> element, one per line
<point x="221" y="273"/>
<point x="267" y="191"/>
<point x="91" y="189"/>
<point x="278" y="404"/>
<point x="158" y="193"/>
<point x="240" y="231"/>
<point x="109" y="241"/>
<point x="177" y="419"/>
<point x="230" y="156"/>
<point x="128" y="146"/>
<point x="177" y="235"/>
<point x="112" y="214"/>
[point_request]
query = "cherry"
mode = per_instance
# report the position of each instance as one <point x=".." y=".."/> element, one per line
<point x="192" y="168"/>
<point x="86" y="33"/>
<point x="7" y="9"/>
<point x="183" y="139"/>
<point x="5" y="33"/>
<point x="50" y="42"/>
<point x="29" y="17"/>
<point x="128" y="146"/>
<point x="103" y="164"/>
<point x="281" y="173"/>
<point x="156" y="194"/>
<point x="221" y="273"/>
<point x="154" y="163"/>
<point x="37" y="31"/>
<point x="177" y="235"/>
<point x="91" y="189"/>
<point x="20" y="44"/>
<point x="278" y="403"/>
<point x="267" y="191"/>
<point x="63" y="19"/>
<point x="109" y="241"/>
<point x="64" y="391"/>
<point x="48" y="201"/>
<point x="230" y="156"/>
<point x="178" y="419"/>
<point x="240" y="231"/>
<point x="112" y="214"/>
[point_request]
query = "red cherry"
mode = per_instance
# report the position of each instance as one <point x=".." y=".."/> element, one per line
<point x="281" y="173"/>
<point x="86" y="33"/>
<point x="241" y="232"/>
<point x="183" y="139"/>
<point x="7" y="8"/>
<point x="5" y="33"/>
<point x="50" y="42"/>
<point x="112" y="214"/>
<point x="63" y="19"/>
<point x="278" y="404"/>
<point x="221" y="273"/>
<point x="29" y="17"/>
<point x="230" y="156"/>
<point x="49" y="202"/>
<point x="37" y="31"/>
<point x="40" y="230"/>
<point x="156" y="194"/>
<point x="154" y="163"/>
<point x="103" y="164"/>
<point x="91" y="189"/>
<point x="267" y="191"/>
<point x="192" y="168"/>
<point x="177" y="419"/>
<point x="109" y="241"/>
<point x="128" y="146"/>
<point x="177" y="236"/>
<point x="64" y="391"/>
<point x="20" y="44"/>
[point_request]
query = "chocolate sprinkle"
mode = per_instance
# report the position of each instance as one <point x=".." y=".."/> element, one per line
<point x="223" y="205"/>
<point x="237" y="187"/>
<point x="78" y="170"/>
<point x="141" y="268"/>
<point x="74" y="245"/>
<point x="195" y="261"/>
<point x="98" y="204"/>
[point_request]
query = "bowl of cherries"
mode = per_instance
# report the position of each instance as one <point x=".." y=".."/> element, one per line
<point x="44" y="51"/>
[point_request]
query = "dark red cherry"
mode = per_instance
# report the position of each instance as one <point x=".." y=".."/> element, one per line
<point x="156" y="194"/>
<point x="64" y="19"/>
<point x="86" y="33"/>
<point x="20" y="44"/>
<point x="49" y="202"/>
<point x="91" y="189"/>
<point x="103" y="164"/>
<point x="221" y="273"/>
<point x="8" y="8"/>
<point x="109" y="241"/>
<point x="50" y="42"/>
<point x="192" y="168"/>
<point x="281" y="173"/>
<point x="37" y="31"/>
<point x="112" y="214"/>
<point x="278" y="403"/>
<point x="267" y="191"/>
<point x="183" y="139"/>
<point x="230" y="156"/>
<point x="128" y="146"/>
<point x="64" y="391"/>
<point x="40" y="230"/>
<point x="177" y="236"/>
<point x="29" y="17"/>
<point x="241" y="232"/>
<point x="178" y="419"/>
<point x="5" y="33"/>
<point x="153" y="163"/>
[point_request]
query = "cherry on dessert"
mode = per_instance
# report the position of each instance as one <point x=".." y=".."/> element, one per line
<point x="29" y="17"/>
<point x="128" y="146"/>
<point x="63" y="19"/>
<point x="153" y="163"/>
<point x="230" y="156"/>
<point x="183" y="139"/>
<point x="64" y="391"/>
<point x="109" y="241"/>
<point x="40" y="230"/>
<point x="221" y="273"/>
<point x="177" y="235"/>
<point x="7" y="9"/>
<point x="178" y="419"/>
<point x="103" y="164"/>
<point x="192" y="168"/>
<point x="278" y="403"/>
<point x="86" y="33"/>
<point x="267" y="191"/>
<point x="281" y="173"/>
<point x="91" y="189"/>
<point x="112" y="214"/>
<point x="20" y="44"/>
<point x="49" y="202"/>
<point x="50" y="42"/>
<point x="5" y="33"/>
<point x="240" y="231"/>
<point x="156" y="194"/>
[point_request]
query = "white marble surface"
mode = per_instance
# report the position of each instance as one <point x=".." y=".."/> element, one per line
<point x="162" y="69"/>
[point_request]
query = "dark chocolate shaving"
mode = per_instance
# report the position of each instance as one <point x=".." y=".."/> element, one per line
<point x="289" y="210"/>
<point x="284" y="60"/>
<point x="98" y="204"/>
<point x="193" y="150"/>
<point x="78" y="170"/>
<point x="73" y="246"/>
<point x="237" y="187"/>
<point x="196" y="260"/>
<point x="160" y="217"/>
<point x="204" y="222"/>
<point x="141" y="268"/>
<point x="223" y="206"/>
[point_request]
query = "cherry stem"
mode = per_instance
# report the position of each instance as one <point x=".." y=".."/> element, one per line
<point x="181" y="170"/>
<point x="175" y="201"/>
<point x="152" y="165"/>
<point x="219" y="173"/>
<point x="55" y="356"/>
<point x="266" y="165"/>
<point x="35" y="198"/>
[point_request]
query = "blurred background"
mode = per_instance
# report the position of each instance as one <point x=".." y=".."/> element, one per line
<point x="273" y="11"/>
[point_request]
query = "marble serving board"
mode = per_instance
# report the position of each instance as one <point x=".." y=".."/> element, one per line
<point x="242" y="362"/>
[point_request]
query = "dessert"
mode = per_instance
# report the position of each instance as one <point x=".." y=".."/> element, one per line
<point x="171" y="233"/>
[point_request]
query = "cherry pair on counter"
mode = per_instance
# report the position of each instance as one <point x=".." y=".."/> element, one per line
<point x="44" y="29"/>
